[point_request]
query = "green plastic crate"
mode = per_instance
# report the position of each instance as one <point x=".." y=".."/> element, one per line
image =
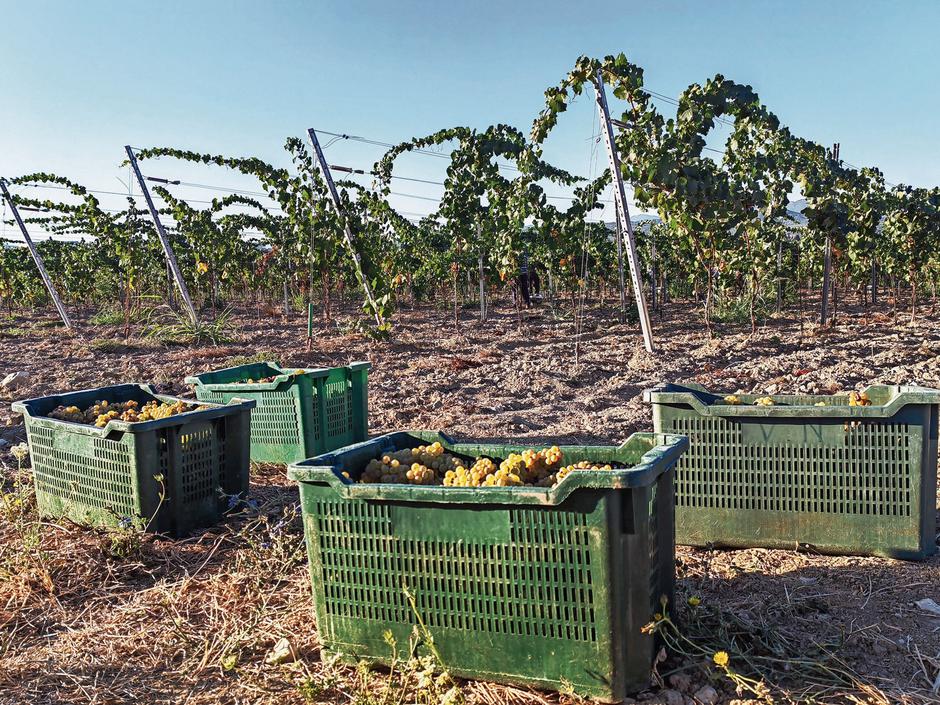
<point x="106" y="476"/>
<point x="297" y="416"/>
<point x="836" y="478"/>
<point x="541" y="586"/>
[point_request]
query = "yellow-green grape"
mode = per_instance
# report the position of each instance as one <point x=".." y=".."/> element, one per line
<point x="101" y="412"/>
<point x="764" y="401"/>
<point x="419" y="474"/>
<point x="859" y="399"/>
<point x="515" y="464"/>
<point x="432" y="465"/>
<point x="540" y="464"/>
<point x="581" y="465"/>
<point x="68" y="413"/>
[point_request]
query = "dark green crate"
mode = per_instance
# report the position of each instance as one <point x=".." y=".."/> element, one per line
<point x="108" y="476"/>
<point x="836" y="479"/>
<point x="540" y="586"/>
<point x="297" y="415"/>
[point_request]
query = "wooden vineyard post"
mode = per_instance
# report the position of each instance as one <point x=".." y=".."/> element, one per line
<point x="620" y="203"/>
<point x="779" y="276"/>
<point x="347" y="231"/>
<point x="47" y="280"/>
<point x="161" y="233"/>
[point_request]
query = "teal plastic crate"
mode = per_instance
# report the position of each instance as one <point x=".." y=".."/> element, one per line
<point x="540" y="586"/>
<point x="111" y="476"/>
<point x="835" y="478"/>
<point x="297" y="416"/>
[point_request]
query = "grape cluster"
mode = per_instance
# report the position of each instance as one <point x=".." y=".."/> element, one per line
<point x="431" y="465"/>
<point x="859" y="399"/>
<point x="732" y="399"/>
<point x="271" y="378"/>
<point x="484" y="473"/>
<point x="764" y="401"/>
<point x="540" y="465"/>
<point x="583" y="465"/>
<point x="424" y="465"/>
<point x="101" y="412"/>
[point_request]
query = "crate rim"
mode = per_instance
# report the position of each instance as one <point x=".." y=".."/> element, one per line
<point x="701" y="400"/>
<point x="115" y="425"/>
<point x="287" y="375"/>
<point x="324" y="470"/>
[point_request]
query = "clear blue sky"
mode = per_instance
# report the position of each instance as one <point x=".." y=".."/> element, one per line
<point x="81" y="79"/>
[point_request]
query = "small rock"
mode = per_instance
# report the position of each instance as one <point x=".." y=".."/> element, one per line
<point x="673" y="697"/>
<point x="680" y="681"/>
<point x="14" y="380"/>
<point x="282" y="652"/>
<point x="772" y="388"/>
<point x="706" y="695"/>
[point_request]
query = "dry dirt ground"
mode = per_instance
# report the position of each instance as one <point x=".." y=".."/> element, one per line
<point x="109" y="617"/>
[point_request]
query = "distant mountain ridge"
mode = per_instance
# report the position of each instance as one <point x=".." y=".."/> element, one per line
<point x="794" y="208"/>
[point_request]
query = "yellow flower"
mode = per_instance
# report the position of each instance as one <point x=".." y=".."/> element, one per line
<point x="202" y="267"/>
<point x="695" y="601"/>
<point x="658" y="616"/>
<point x="721" y="658"/>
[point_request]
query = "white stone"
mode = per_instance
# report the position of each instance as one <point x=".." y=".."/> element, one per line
<point x="706" y="695"/>
<point x="14" y="380"/>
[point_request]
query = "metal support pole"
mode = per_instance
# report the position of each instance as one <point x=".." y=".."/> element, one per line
<point x="479" y="230"/>
<point x="827" y="267"/>
<point x="620" y="199"/>
<point x="47" y="280"/>
<point x="347" y="231"/>
<point x="653" y="273"/>
<point x="827" y="262"/>
<point x="161" y="233"/>
<point x="874" y="282"/>
<point x="622" y="283"/>
<point x="779" y="276"/>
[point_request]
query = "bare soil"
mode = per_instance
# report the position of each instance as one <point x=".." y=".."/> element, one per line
<point x="90" y="617"/>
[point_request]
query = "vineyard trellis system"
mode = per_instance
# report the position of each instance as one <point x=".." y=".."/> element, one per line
<point x="724" y="235"/>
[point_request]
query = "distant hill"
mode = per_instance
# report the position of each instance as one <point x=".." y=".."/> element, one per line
<point x="796" y="210"/>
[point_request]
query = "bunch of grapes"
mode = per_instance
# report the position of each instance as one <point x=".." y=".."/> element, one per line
<point x="424" y="465"/>
<point x="271" y="378"/>
<point x="732" y="399"/>
<point x="101" y="412"/>
<point x="68" y="413"/>
<point x="539" y="465"/>
<point x="764" y="401"/>
<point x="582" y="465"/>
<point x="859" y="399"/>
<point x="430" y="465"/>
<point x="474" y="476"/>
